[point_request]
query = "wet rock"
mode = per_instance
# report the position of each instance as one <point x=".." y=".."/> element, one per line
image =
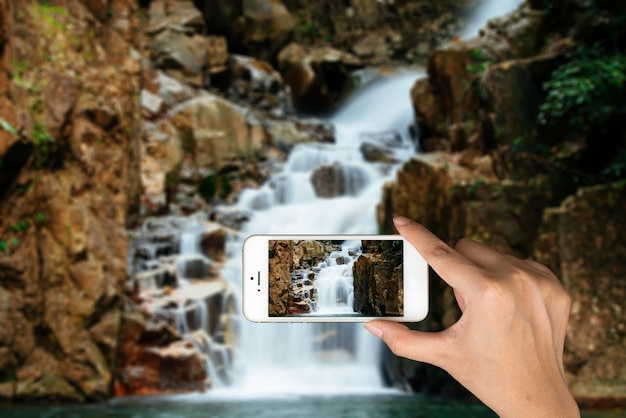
<point x="256" y="83"/>
<point x="156" y="362"/>
<point x="338" y="180"/>
<point x="374" y="153"/>
<point x="230" y="217"/>
<point x="192" y="267"/>
<point x="213" y="242"/>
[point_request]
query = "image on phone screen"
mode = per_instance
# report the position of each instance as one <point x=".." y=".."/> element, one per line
<point x="335" y="278"/>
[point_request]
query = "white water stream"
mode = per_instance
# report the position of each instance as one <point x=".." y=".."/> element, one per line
<point x="282" y="359"/>
<point x="327" y="358"/>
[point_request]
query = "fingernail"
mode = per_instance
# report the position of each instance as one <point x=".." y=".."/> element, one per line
<point x="401" y="221"/>
<point x="374" y="330"/>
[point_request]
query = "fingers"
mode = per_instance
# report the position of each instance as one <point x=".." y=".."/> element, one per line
<point x="452" y="266"/>
<point x="422" y="346"/>
<point x="478" y="253"/>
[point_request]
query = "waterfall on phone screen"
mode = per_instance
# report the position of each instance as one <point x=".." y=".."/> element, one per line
<point x="329" y="357"/>
<point x="334" y="283"/>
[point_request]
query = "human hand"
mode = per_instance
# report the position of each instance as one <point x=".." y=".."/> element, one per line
<point x="507" y="347"/>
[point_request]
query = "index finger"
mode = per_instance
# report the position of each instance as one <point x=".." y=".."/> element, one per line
<point x="454" y="268"/>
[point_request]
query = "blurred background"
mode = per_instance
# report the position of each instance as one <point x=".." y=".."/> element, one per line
<point x="142" y="142"/>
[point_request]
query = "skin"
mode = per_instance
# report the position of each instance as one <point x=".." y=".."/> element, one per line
<point x="507" y="347"/>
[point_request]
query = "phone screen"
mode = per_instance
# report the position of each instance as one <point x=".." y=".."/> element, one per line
<point x="335" y="278"/>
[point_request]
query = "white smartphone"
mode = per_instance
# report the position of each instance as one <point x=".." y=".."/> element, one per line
<point x="333" y="278"/>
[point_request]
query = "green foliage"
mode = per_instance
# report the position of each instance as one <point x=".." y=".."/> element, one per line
<point x="43" y="143"/>
<point x="309" y="29"/>
<point x="50" y="15"/>
<point x="4" y="247"/>
<point x="21" y="226"/>
<point x="214" y="186"/>
<point x="616" y="168"/>
<point x="40" y="218"/>
<point x="586" y="92"/>
<point x="473" y="188"/>
<point x="208" y="187"/>
<point x="480" y="62"/>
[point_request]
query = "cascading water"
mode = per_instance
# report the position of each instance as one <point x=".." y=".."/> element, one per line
<point x="332" y="358"/>
<point x="322" y="188"/>
<point x="485" y="11"/>
<point x="334" y="283"/>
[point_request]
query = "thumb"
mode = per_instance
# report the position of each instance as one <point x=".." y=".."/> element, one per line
<point x="427" y="347"/>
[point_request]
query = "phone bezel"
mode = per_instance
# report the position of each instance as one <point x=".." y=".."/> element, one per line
<point x="255" y="280"/>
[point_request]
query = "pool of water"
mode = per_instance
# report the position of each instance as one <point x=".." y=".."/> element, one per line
<point x="205" y="406"/>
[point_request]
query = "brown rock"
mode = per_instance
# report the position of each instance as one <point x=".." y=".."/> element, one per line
<point x="153" y="358"/>
<point x="280" y="263"/>
<point x="338" y="180"/>
<point x="378" y="280"/>
<point x="582" y="242"/>
<point x="40" y="377"/>
<point x="66" y="217"/>
<point x="262" y="29"/>
<point x="318" y="76"/>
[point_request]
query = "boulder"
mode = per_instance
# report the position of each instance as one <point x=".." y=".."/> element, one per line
<point x="317" y="76"/>
<point x="338" y="180"/>
<point x="582" y="242"/>
<point x="153" y="358"/>
<point x="263" y="27"/>
<point x="175" y="50"/>
<point x="218" y="129"/>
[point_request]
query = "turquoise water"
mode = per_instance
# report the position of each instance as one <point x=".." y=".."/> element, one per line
<point x="205" y="406"/>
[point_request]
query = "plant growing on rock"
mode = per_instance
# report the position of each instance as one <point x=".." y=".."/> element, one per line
<point x="43" y="143"/>
<point x="586" y="92"/>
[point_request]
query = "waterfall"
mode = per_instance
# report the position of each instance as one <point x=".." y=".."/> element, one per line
<point x="487" y="10"/>
<point x="322" y="188"/>
<point x="332" y="358"/>
<point x="334" y="282"/>
<point x="277" y="359"/>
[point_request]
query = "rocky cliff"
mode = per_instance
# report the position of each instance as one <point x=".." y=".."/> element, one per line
<point x="69" y="188"/>
<point x="378" y="279"/>
<point x="292" y="275"/>
<point x="515" y="159"/>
